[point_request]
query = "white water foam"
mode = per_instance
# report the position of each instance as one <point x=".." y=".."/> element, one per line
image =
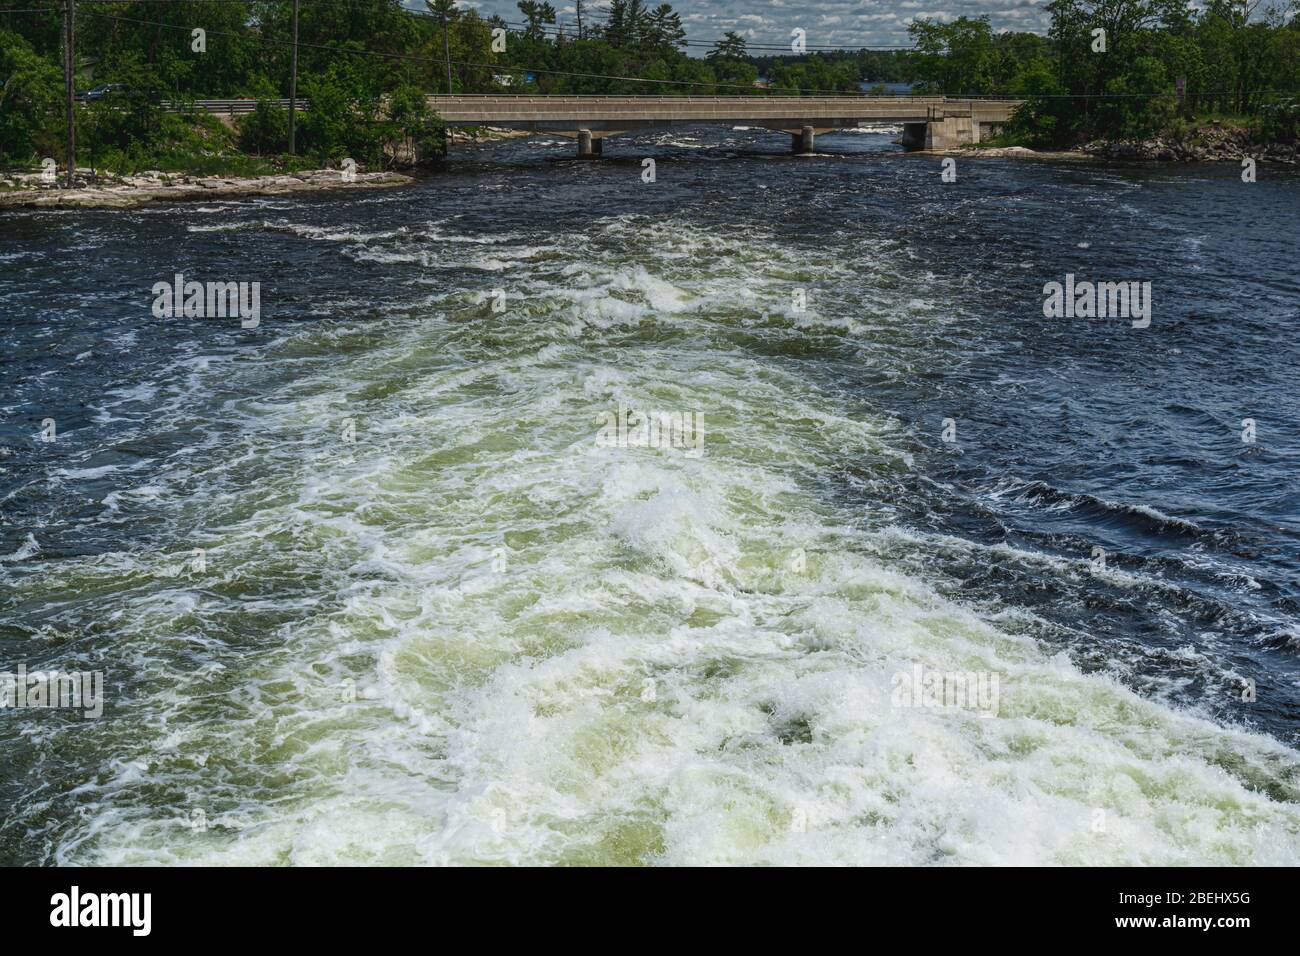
<point x="681" y="660"/>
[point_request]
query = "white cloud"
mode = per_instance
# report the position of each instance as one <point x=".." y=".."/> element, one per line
<point x="844" y="23"/>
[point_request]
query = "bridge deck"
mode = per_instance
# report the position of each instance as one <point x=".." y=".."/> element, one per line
<point x="608" y="113"/>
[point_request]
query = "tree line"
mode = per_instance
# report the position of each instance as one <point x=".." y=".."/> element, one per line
<point x="1125" y="69"/>
<point x="365" y="66"/>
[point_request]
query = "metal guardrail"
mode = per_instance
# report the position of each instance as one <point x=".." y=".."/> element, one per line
<point x="230" y="107"/>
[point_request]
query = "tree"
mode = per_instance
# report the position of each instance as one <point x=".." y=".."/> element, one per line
<point x="537" y="15"/>
<point x="627" y="24"/>
<point x="446" y="11"/>
<point x="730" y="47"/>
<point x="664" y="27"/>
<point x="30" y="91"/>
<point x="955" y="58"/>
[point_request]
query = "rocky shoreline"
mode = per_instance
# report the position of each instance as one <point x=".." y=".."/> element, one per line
<point x="1203" y="145"/>
<point x="106" y="191"/>
<point x="485" y="134"/>
<point x="1207" y="144"/>
<point x="1004" y="152"/>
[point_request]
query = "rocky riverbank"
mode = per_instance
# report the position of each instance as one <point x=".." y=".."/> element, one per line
<point x="1004" y="152"/>
<point x="107" y="191"/>
<point x="485" y="134"/>
<point x="1205" y="144"/>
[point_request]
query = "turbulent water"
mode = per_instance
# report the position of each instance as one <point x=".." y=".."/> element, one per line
<point x="434" y="620"/>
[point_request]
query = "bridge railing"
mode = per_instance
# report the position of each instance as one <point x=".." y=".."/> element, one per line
<point x="516" y="105"/>
<point x="726" y="98"/>
<point x="230" y="107"/>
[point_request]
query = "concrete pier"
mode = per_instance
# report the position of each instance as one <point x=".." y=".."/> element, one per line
<point x="946" y="128"/>
<point x="803" y="142"/>
<point x="590" y="146"/>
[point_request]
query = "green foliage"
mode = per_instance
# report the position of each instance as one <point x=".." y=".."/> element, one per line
<point x="340" y="123"/>
<point x="730" y="47"/>
<point x="1049" y="117"/>
<point x="411" y="122"/>
<point x="537" y="15"/>
<point x="1129" y="110"/>
<point x="127" y="121"/>
<point x="814" y="73"/>
<point x="1280" y="121"/>
<point x="1075" y="91"/>
<point x="265" y="130"/>
<point x="30" y="92"/>
<point x="365" y="65"/>
<point x="196" y="144"/>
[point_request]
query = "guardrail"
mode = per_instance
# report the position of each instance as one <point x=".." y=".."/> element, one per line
<point x="229" y="107"/>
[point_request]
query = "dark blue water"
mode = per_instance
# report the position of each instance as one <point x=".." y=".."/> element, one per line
<point x="925" y="305"/>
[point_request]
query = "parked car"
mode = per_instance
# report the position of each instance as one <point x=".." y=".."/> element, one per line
<point x="107" y="89"/>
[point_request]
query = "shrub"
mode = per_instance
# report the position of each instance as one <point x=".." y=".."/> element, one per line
<point x="31" y="121"/>
<point x="265" y="130"/>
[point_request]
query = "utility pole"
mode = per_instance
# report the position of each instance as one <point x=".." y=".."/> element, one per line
<point x="579" y="3"/>
<point x="70" y="82"/>
<point x="446" y="50"/>
<point x="293" y="78"/>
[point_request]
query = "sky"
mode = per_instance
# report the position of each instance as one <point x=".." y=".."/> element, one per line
<point x="837" y="23"/>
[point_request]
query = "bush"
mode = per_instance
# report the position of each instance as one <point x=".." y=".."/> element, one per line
<point x="31" y="121"/>
<point x="338" y="122"/>
<point x="1047" y="118"/>
<point x="126" y="123"/>
<point x="1280" y="121"/>
<point x="412" y="121"/>
<point x="265" y="130"/>
<point x="1131" y="111"/>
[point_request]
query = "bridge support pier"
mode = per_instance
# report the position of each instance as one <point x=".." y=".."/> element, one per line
<point x="943" y="129"/>
<point x="589" y="147"/>
<point x="801" y="143"/>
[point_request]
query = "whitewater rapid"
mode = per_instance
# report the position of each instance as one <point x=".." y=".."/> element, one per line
<point x="440" y="624"/>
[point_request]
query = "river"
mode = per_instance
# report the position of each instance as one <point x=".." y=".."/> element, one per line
<point x="366" y="585"/>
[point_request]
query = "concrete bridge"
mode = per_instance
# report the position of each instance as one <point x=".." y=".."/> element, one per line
<point x="929" y="122"/>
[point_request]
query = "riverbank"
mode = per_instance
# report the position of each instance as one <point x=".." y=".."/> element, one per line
<point x="1007" y="152"/>
<point x="1204" y="144"/>
<point x="1212" y="143"/>
<point x="108" y="191"/>
<point x="485" y="134"/>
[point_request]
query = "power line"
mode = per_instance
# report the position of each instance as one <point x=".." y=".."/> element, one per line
<point x="637" y="79"/>
<point x="426" y="59"/>
<point x="520" y="26"/>
<point x="523" y="26"/>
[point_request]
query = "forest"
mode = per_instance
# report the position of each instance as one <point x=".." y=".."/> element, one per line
<point x="1105" y="68"/>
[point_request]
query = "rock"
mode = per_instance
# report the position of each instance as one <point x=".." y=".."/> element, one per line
<point x="139" y="190"/>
